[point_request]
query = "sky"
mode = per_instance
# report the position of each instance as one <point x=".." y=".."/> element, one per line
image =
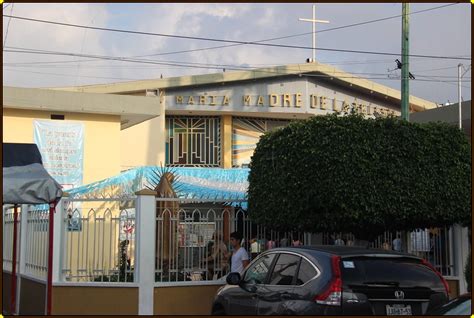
<point x="443" y="32"/>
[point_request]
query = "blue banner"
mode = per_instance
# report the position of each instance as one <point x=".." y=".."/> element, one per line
<point x="62" y="149"/>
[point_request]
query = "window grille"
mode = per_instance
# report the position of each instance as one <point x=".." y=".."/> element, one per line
<point x="193" y="141"/>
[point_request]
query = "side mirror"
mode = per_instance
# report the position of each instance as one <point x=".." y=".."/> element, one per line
<point x="233" y="278"/>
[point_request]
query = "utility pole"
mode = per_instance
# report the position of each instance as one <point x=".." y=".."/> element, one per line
<point x="405" y="66"/>
<point x="459" y="94"/>
<point x="314" y="21"/>
<point x="460" y="67"/>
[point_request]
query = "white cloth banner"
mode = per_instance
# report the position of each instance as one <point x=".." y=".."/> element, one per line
<point x="61" y="145"/>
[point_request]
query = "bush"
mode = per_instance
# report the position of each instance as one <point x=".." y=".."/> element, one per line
<point x="365" y="176"/>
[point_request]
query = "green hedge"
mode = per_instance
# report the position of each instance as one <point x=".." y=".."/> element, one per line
<point x="333" y="173"/>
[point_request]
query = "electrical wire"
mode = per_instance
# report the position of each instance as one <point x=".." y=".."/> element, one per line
<point x="153" y="68"/>
<point x="38" y="63"/>
<point x="297" y="35"/>
<point x="231" y="41"/>
<point x="437" y="69"/>
<point x="126" y="59"/>
<point x="432" y="79"/>
<point x="196" y="65"/>
<point x="8" y="27"/>
<point x="270" y="72"/>
<point x="72" y="75"/>
<point x="300" y="34"/>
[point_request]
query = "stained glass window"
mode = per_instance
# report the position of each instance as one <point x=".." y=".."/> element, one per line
<point x="245" y="134"/>
<point x="193" y="141"/>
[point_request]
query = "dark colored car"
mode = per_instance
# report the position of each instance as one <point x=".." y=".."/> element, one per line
<point x="460" y="306"/>
<point x="332" y="280"/>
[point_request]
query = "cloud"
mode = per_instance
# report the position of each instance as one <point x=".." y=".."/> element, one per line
<point x="25" y="34"/>
<point x="268" y="17"/>
<point x="246" y="22"/>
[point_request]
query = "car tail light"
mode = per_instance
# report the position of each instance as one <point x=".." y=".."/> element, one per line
<point x="332" y="294"/>
<point x="445" y="282"/>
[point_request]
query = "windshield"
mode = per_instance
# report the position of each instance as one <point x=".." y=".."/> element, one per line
<point x="398" y="272"/>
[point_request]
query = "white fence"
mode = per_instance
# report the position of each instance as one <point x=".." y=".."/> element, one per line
<point x="193" y="239"/>
<point x="37" y="227"/>
<point x="8" y="236"/>
<point x="96" y="241"/>
<point x="99" y="240"/>
<point x="435" y="245"/>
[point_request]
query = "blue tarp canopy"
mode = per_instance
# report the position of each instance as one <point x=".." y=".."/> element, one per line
<point x="191" y="183"/>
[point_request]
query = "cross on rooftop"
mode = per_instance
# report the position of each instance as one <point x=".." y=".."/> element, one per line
<point x="314" y="21"/>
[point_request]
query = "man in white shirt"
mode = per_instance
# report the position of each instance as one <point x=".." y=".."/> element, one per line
<point x="240" y="257"/>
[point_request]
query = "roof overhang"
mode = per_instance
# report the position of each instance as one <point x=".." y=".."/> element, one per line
<point x="329" y="72"/>
<point x="131" y="109"/>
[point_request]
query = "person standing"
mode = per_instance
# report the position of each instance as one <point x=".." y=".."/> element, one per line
<point x="240" y="257"/>
<point x="217" y="262"/>
<point x="397" y="244"/>
<point x="296" y="241"/>
<point x="254" y="248"/>
<point x="339" y="241"/>
<point x="270" y="243"/>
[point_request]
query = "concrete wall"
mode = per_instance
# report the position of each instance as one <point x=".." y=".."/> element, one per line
<point x="185" y="300"/>
<point x="32" y="297"/>
<point x="178" y="99"/>
<point x="143" y="144"/>
<point x="76" y="300"/>
<point x="447" y="114"/>
<point x="6" y="292"/>
<point x="453" y="288"/>
<point x="101" y="138"/>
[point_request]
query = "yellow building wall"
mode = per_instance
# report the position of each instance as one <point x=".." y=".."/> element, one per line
<point x="144" y="144"/>
<point x="94" y="300"/>
<point x="226" y="141"/>
<point x="101" y="138"/>
<point x="184" y="300"/>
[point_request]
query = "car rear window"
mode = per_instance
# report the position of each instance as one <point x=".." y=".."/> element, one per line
<point x="284" y="270"/>
<point x="402" y="272"/>
<point x="305" y="273"/>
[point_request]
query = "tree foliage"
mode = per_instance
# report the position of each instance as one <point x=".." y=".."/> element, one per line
<point x="365" y="176"/>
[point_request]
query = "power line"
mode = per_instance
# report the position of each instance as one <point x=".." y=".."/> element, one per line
<point x="289" y="36"/>
<point x="181" y="64"/>
<point x="125" y="59"/>
<point x="230" y="41"/>
<point x="437" y="69"/>
<point x="432" y="79"/>
<point x="8" y="26"/>
<point x="152" y="68"/>
<point x="349" y="62"/>
<point x="300" y="34"/>
<point x="72" y="75"/>
<point x="267" y="71"/>
<point x="297" y="35"/>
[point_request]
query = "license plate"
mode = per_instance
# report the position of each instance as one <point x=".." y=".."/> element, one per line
<point x="398" y="310"/>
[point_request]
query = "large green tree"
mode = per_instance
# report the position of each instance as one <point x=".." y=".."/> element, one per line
<point x="365" y="176"/>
